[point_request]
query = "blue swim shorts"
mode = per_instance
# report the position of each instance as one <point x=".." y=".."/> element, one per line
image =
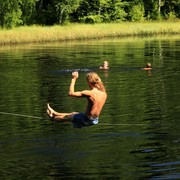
<point x="80" y="120"/>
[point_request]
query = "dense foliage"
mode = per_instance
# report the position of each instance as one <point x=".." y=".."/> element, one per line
<point x="49" y="12"/>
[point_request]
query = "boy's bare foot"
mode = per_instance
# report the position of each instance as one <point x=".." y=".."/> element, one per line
<point x="50" y="111"/>
<point x="49" y="114"/>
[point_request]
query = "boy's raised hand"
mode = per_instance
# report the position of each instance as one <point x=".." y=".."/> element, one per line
<point x="75" y="75"/>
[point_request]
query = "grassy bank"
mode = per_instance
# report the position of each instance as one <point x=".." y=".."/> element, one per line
<point x="38" y="34"/>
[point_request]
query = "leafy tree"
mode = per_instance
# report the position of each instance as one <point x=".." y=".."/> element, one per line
<point x="171" y="8"/>
<point x="10" y="13"/>
<point x="64" y="8"/>
<point x="137" y="12"/>
<point x="28" y="8"/>
<point x="87" y="10"/>
<point x="45" y="12"/>
<point x="101" y="11"/>
<point x="51" y="12"/>
<point x="117" y="12"/>
<point x="152" y="9"/>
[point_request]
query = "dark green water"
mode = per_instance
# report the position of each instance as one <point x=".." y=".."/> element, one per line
<point x="138" y="135"/>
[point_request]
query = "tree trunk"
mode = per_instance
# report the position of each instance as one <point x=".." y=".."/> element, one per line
<point x="40" y="5"/>
<point x="159" y="6"/>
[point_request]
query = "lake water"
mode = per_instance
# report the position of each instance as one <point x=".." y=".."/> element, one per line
<point x="138" y="134"/>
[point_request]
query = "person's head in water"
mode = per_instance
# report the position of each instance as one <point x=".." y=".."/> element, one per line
<point x="148" y="65"/>
<point x="95" y="81"/>
<point x="105" y="65"/>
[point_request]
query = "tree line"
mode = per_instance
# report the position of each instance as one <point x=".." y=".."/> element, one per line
<point x="50" y="12"/>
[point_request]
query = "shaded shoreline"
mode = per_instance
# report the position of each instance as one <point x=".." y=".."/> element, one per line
<point x="73" y="32"/>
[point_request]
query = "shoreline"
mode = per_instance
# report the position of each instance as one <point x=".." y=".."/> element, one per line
<point x="73" y="32"/>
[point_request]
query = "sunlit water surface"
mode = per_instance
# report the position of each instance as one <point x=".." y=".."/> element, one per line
<point x="138" y="132"/>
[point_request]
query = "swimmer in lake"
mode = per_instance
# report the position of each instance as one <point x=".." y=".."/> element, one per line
<point x="105" y="65"/>
<point x="96" y="98"/>
<point x="148" y="67"/>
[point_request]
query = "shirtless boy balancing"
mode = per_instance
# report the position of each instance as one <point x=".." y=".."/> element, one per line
<point x="96" y="98"/>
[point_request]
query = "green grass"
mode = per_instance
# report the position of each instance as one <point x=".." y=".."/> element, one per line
<point x="40" y="34"/>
